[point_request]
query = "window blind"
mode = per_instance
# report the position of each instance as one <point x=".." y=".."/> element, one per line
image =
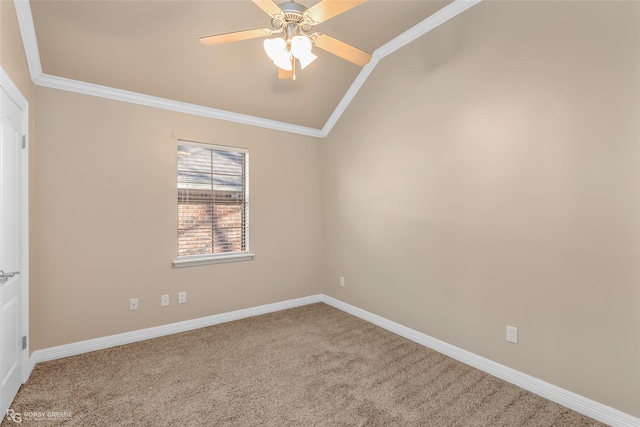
<point x="212" y="199"/>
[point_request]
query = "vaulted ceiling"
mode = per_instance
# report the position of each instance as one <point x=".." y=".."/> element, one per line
<point x="148" y="52"/>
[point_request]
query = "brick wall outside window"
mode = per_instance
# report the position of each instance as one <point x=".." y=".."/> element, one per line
<point x="196" y="236"/>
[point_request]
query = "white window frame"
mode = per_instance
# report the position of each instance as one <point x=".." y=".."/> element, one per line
<point x="205" y="259"/>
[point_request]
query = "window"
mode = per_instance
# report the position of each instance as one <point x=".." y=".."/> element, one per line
<point x="212" y="204"/>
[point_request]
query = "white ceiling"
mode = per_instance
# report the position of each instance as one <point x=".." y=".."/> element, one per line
<point x="148" y="52"/>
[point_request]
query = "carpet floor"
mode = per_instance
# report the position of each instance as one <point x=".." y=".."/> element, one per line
<point x="308" y="366"/>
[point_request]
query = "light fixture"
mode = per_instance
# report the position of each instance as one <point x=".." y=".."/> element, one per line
<point x="280" y="52"/>
<point x="292" y="25"/>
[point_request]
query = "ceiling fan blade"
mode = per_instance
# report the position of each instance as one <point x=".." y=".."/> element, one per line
<point x="235" y="36"/>
<point x="342" y="49"/>
<point x="327" y="9"/>
<point x="268" y="6"/>
<point x="284" y="74"/>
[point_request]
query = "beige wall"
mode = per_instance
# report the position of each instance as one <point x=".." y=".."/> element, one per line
<point x="487" y="174"/>
<point x="106" y="216"/>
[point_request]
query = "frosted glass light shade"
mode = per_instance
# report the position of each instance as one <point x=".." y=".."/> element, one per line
<point x="276" y="50"/>
<point x="284" y="61"/>
<point x="306" y="60"/>
<point x="301" y="49"/>
<point x="274" y="47"/>
<point x="300" y="46"/>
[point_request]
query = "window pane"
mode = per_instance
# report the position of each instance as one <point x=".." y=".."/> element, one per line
<point x="212" y="205"/>
<point x="194" y="159"/>
<point x="228" y="183"/>
<point x="225" y="162"/>
<point x="194" y="229"/>
<point x="195" y="180"/>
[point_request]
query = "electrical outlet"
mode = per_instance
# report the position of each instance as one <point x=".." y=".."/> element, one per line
<point x="182" y="297"/>
<point x="512" y="334"/>
<point x="164" y="300"/>
<point x="133" y="304"/>
<point x="342" y="281"/>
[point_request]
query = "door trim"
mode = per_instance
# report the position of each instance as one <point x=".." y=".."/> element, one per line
<point x="23" y="105"/>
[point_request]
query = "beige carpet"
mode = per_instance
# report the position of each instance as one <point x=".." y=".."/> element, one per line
<point x="308" y="366"/>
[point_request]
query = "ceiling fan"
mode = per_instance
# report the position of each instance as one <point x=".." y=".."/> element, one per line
<point x="293" y="23"/>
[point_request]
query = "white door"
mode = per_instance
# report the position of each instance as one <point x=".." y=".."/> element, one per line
<point x="11" y="249"/>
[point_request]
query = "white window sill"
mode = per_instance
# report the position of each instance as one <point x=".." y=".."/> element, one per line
<point x="192" y="261"/>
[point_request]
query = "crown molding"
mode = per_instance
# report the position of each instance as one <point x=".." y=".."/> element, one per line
<point x="29" y="40"/>
<point x="418" y="30"/>
<point x="440" y="17"/>
<point x="62" y="83"/>
<point x="12" y="90"/>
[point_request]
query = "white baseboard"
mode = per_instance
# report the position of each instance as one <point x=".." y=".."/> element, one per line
<point x="80" y="347"/>
<point x="583" y="405"/>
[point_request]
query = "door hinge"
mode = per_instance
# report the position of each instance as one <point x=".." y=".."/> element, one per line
<point x="24" y="343"/>
<point x="24" y="141"/>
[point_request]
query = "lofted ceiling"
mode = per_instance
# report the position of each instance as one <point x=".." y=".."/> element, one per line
<point x="151" y="48"/>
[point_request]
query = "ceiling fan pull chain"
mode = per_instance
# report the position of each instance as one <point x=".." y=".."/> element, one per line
<point x="294" y="70"/>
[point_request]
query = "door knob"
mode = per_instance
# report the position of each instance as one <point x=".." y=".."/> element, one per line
<point x="6" y="276"/>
